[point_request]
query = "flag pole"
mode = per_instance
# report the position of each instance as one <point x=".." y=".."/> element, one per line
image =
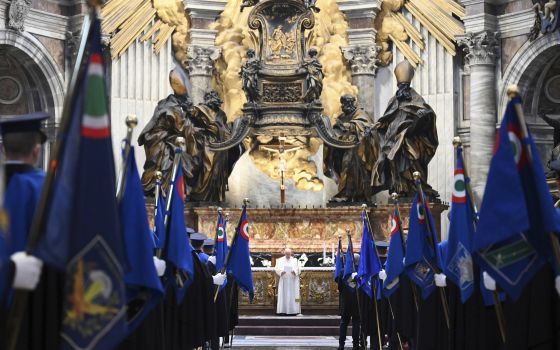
<point x="442" y="294"/>
<point x="234" y="240"/>
<point x="362" y="337"/>
<point x="19" y="304"/>
<point x="179" y="149"/>
<point x="131" y="122"/>
<point x="216" y="234"/>
<point x="364" y="210"/>
<point x="513" y="91"/>
<point x="395" y="198"/>
<point x="457" y="143"/>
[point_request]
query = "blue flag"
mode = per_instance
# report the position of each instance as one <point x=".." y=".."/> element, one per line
<point x="338" y="264"/>
<point x="420" y="256"/>
<point x="90" y="244"/>
<point x="178" y="249"/>
<point x="239" y="263"/>
<point x="512" y="239"/>
<point x="458" y="266"/>
<point x="221" y="246"/>
<point x="394" y="266"/>
<point x="144" y="289"/>
<point x="349" y="267"/>
<point x="369" y="264"/>
<point x="159" y="219"/>
<point x="5" y="280"/>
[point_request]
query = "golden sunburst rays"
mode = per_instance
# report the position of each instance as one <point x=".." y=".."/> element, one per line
<point x="441" y="18"/>
<point x="127" y="21"/>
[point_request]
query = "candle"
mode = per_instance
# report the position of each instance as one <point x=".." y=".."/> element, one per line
<point x="332" y="250"/>
<point x="324" y="251"/>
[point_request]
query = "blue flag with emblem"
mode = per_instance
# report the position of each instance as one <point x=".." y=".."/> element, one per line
<point x="239" y="263"/>
<point x="458" y="266"/>
<point x="512" y="238"/>
<point x="420" y="256"/>
<point x="349" y="267"/>
<point x="369" y="264"/>
<point x="338" y="264"/>
<point x="159" y="219"/>
<point x="221" y="247"/>
<point x="143" y="286"/>
<point x="90" y="244"/>
<point x="394" y="266"/>
<point x="178" y="249"/>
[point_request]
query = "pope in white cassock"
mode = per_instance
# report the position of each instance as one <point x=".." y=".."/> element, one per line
<point x="288" y="287"/>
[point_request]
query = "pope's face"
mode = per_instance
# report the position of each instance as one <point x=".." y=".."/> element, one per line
<point x="288" y="253"/>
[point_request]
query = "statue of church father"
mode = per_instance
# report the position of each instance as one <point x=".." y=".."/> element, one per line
<point x="287" y="269"/>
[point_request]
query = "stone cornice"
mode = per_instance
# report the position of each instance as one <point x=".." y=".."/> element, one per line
<point x="483" y="21"/>
<point x="39" y="22"/>
<point x="360" y="8"/>
<point x="205" y="9"/>
<point x="516" y="23"/>
<point x="361" y="37"/>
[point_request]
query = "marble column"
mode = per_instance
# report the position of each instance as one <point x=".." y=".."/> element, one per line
<point x="480" y="58"/>
<point x="201" y="65"/>
<point x="362" y="61"/>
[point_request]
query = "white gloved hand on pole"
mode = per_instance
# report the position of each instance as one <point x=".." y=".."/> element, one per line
<point x="489" y="282"/>
<point x="382" y="275"/>
<point x="27" y="272"/>
<point x="219" y="279"/>
<point x="212" y="260"/>
<point x="440" y="280"/>
<point x="160" y="266"/>
<point x="353" y="276"/>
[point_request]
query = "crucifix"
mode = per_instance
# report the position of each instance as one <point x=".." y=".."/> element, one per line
<point x="281" y="149"/>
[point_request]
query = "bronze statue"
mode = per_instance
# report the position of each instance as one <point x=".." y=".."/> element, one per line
<point x="351" y="168"/>
<point x="248" y="3"/>
<point x="314" y="78"/>
<point x="554" y="161"/>
<point x="249" y="75"/>
<point x="407" y="139"/>
<point x="168" y="122"/>
<point x="211" y="178"/>
<point x="311" y="5"/>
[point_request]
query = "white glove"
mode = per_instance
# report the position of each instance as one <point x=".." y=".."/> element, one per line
<point x="212" y="260"/>
<point x="489" y="282"/>
<point x="558" y="284"/>
<point x="382" y="275"/>
<point x="160" y="266"/>
<point x="440" y="280"/>
<point x="353" y="276"/>
<point x="28" y="271"/>
<point x="219" y="279"/>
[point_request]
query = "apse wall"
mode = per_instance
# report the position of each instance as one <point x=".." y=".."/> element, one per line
<point x="139" y="79"/>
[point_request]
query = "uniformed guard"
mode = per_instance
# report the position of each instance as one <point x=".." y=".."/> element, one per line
<point x="349" y="309"/>
<point x="22" y="141"/>
<point x="197" y="240"/>
<point x="208" y="246"/>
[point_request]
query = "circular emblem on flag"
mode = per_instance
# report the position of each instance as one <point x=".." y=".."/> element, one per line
<point x="221" y="232"/>
<point x="516" y="146"/>
<point x="394" y="225"/>
<point x="244" y="230"/>
<point x="459" y="187"/>
<point x="420" y="212"/>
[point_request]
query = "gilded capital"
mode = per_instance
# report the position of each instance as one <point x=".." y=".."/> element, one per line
<point x="479" y="48"/>
<point x="201" y="59"/>
<point x="361" y="59"/>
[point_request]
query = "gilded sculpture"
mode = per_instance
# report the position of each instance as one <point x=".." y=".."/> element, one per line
<point x="407" y="139"/>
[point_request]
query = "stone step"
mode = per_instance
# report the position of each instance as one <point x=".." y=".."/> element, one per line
<point x="288" y="325"/>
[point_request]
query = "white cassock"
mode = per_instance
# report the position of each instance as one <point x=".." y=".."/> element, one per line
<point x="288" y="286"/>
